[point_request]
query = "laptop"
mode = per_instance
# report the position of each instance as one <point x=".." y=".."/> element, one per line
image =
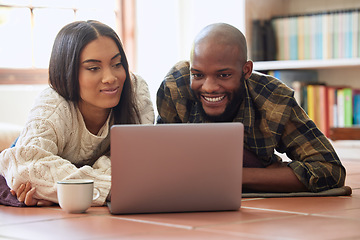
<point x="176" y="167"/>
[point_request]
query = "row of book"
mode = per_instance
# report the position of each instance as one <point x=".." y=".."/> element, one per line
<point x="324" y="35"/>
<point x="328" y="106"/>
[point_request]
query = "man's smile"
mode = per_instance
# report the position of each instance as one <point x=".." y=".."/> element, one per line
<point x="213" y="99"/>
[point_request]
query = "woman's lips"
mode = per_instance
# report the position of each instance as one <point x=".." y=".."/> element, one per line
<point x="110" y="90"/>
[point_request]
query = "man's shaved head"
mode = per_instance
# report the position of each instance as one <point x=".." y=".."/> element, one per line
<point x="221" y="34"/>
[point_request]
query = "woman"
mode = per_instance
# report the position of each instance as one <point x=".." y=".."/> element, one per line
<point x="67" y="132"/>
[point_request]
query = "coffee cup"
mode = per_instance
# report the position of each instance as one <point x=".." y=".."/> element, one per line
<point x="76" y="195"/>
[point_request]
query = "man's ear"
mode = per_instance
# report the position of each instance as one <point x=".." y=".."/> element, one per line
<point x="247" y="69"/>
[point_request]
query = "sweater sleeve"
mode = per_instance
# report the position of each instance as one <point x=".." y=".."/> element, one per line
<point x="50" y="148"/>
<point x="35" y="159"/>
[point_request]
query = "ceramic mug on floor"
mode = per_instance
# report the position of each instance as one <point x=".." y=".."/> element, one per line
<point x="76" y="195"/>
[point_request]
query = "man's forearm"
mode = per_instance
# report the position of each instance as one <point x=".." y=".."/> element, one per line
<point x="271" y="179"/>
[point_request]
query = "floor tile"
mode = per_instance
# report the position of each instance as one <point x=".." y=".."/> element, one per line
<point x="18" y="215"/>
<point x="194" y="220"/>
<point x="353" y="180"/>
<point x="344" y="214"/>
<point x="298" y="227"/>
<point x="190" y="234"/>
<point x="92" y="227"/>
<point x="355" y="193"/>
<point x="352" y="167"/>
<point x="101" y="227"/>
<point x="305" y="204"/>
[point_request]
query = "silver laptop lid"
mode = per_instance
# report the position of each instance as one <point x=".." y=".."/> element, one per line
<point x="176" y="167"/>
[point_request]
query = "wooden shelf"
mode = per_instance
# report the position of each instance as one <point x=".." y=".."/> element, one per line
<point x="307" y="64"/>
<point x="349" y="133"/>
<point x="23" y="76"/>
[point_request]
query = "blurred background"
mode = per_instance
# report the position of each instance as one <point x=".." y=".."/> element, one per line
<point x="156" y="34"/>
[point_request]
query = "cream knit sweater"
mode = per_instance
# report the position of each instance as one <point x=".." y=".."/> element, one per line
<point x="55" y="141"/>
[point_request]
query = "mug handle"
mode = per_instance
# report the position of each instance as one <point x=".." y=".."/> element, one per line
<point x="97" y="195"/>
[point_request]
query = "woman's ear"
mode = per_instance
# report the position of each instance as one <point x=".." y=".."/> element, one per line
<point x="247" y="69"/>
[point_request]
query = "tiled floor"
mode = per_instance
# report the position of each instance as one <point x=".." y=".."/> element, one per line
<point x="258" y="218"/>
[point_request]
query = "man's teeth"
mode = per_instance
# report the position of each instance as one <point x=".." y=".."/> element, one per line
<point x="214" y="99"/>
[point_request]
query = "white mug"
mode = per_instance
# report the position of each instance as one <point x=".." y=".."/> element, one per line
<point x="76" y="195"/>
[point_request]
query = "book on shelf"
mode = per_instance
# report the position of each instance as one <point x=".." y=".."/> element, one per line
<point x="355" y="34"/>
<point x="340" y="97"/>
<point x="319" y="35"/>
<point x="326" y="39"/>
<point x="322" y="116"/>
<point x="332" y="106"/>
<point x="348" y="107"/>
<point x="357" y="110"/>
<point x="278" y="23"/>
<point x="263" y="47"/>
<point x="317" y="100"/>
<point x="348" y="34"/>
<point x="344" y="107"/>
<point x="301" y="37"/>
<point x="270" y="41"/>
<point x="258" y="38"/>
<point x="329" y="106"/>
<point x="307" y="37"/>
<point x="293" y="38"/>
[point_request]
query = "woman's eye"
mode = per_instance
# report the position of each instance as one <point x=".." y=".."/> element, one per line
<point x="93" y="68"/>
<point x="117" y="65"/>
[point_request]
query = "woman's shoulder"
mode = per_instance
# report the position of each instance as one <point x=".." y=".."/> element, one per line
<point x="48" y="103"/>
<point x="137" y="81"/>
<point x="49" y="95"/>
<point x="143" y="98"/>
<point x="141" y="88"/>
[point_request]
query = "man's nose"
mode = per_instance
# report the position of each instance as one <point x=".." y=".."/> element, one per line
<point x="210" y="85"/>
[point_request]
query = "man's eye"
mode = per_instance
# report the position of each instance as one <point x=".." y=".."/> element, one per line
<point x="225" y="75"/>
<point x="197" y="75"/>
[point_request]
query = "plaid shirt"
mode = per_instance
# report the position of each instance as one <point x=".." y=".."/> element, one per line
<point x="272" y="121"/>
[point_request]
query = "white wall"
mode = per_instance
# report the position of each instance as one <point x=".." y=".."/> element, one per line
<point x="16" y="102"/>
<point x="166" y="29"/>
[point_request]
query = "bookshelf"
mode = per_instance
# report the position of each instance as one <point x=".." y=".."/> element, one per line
<point x="308" y="64"/>
<point x="330" y="71"/>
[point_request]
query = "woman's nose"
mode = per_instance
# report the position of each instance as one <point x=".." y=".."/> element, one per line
<point x="109" y="76"/>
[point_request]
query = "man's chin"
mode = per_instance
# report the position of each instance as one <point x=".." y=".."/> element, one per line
<point x="219" y="117"/>
<point x="212" y="113"/>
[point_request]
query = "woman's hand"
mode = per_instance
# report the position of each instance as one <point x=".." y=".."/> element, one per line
<point x="25" y="194"/>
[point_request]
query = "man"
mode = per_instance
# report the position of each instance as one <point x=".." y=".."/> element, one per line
<point x="219" y="85"/>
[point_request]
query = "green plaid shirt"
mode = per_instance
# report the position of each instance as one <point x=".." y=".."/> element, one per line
<point x="272" y="121"/>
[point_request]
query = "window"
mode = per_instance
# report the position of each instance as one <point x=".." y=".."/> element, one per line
<point x="28" y="29"/>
